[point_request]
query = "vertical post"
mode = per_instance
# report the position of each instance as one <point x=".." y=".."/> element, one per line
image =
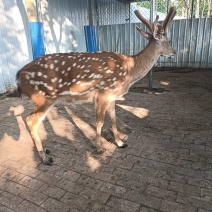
<point x="36" y="29"/>
<point x="152" y="16"/>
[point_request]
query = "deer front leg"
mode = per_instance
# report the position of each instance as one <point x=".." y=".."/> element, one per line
<point x="112" y="114"/>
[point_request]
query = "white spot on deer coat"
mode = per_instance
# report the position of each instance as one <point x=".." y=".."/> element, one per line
<point x="63" y="63"/>
<point x="109" y="72"/>
<point x="74" y="64"/>
<point x="56" y="69"/>
<point x="54" y="79"/>
<point x="102" y="83"/>
<point x="92" y="75"/>
<point x="32" y="74"/>
<point x="115" y="78"/>
<point x="50" y="88"/>
<point x="60" y="85"/>
<point x="39" y="74"/>
<point x="46" y="66"/>
<point x="31" y="82"/>
<point x="60" y="80"/>
<point x="74" y="80"/>
<point x="51" y="66"/>
<point x="55" y="61"/>
<point x="69" y="69"/>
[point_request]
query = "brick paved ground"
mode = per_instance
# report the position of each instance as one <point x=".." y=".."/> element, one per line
<point x="166" y="167"/>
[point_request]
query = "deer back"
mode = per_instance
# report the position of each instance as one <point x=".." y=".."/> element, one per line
<point x="75" y="74"/>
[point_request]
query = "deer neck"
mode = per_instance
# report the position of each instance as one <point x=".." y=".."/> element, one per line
<point x="144" y="61"/>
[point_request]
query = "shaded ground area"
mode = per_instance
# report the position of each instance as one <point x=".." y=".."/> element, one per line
<point x="166" y="167"/>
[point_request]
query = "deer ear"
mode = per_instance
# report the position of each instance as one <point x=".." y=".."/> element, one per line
<point x="145" y="34"/>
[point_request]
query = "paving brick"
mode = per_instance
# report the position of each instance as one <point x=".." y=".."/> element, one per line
<point x="76" y="201"/>
<point x="200" y="182"/>
<point x="95" y="195"/>
<point x="55" y="206"/>
<point x="131" y="184"/>
<point x="89" y="182"/>
<point x="31" y="182"/>
<point x="52" y="191"/>
<point x="13" y="187"/>
<point x="173" y="206"/>
<point x="161" y="166"/>
<point x="12" y="175"/>
<point x="26" y="206"/>
<point x="5" y="209"/>
<point x="161" y="183"/>
<point x="33" y="196"/>
<point x="173" y="177"/>
<point x="202" y="210"/>
<point x="69" y="174"/>
<point x="194" y="201"/>
<point x="48" y="177"/>
<point x="115" y="190"/>
<point x="146" y="209"/>
<point x="124" y="163"/>
<point x="185" y="188"/>
<point x="29" y="171"/>
<point x="70" y="186"/>
<point x="9" y="200"/>
<point x="120" y="172"/>
<point x="122" y="205"/>
<point x="206" y="194"/>
<point x="144" y="199"/>
<point x="161" y="193"/>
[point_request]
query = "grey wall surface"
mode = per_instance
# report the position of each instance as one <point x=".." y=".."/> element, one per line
<point x="15" y="45"/>
<point x="63" y="22"/>
<point x="191" y="38"/>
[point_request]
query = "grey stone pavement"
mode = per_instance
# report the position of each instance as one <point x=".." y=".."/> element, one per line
<point x="166" y="167"/>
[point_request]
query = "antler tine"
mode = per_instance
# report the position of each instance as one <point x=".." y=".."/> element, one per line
<point x="169" y="18"/>
<point x="144" y="20"/>
<point x="156" y="19"/>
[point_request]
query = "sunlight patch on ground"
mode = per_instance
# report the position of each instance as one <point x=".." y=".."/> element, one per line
<point x="164" y="83"/>
<point x="137" y="111"/>
<point x="92" y="162"/>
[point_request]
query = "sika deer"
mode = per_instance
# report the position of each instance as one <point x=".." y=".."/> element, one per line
<point x="98" y="77"/>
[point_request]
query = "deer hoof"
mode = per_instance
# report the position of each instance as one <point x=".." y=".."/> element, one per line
<point x="48" y="161"/>
<point x="100" y="151"/>
<point x="47" y="151"/>
<point x="123" y="145"/>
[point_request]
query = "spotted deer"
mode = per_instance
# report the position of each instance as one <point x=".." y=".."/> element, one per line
<point x="101" y="77"/>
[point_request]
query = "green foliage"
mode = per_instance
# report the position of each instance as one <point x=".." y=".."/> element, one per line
<point x="185" y="8"/>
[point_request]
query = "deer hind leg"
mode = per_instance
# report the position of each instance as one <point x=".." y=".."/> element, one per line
<point x="112" y="114"/>
<point x="33" y="121"/>
<point x="101" y="107"/>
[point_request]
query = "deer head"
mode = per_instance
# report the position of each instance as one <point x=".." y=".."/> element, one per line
<point x="158" y="33"/>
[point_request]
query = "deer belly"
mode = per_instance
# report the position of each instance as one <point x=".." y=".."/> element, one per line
<point x="77" y="98"/>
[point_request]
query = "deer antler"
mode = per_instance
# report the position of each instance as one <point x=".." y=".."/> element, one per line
<point x="154" y="27"/>
<point x="144" y="20"/>
<point x="169" y="18"/>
